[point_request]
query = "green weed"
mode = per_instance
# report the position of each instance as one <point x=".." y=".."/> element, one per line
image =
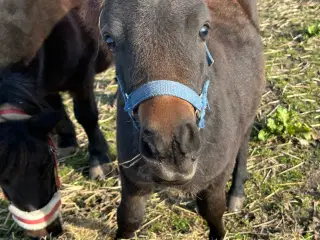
<point x="285" y="123"/>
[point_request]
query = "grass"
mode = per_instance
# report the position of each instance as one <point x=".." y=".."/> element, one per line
<point x="283" y="192"/>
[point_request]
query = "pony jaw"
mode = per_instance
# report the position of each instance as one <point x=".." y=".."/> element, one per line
<point x="38" y="219"/>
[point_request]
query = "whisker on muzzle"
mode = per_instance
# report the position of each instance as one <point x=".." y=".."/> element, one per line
<point x="131" y="162"/>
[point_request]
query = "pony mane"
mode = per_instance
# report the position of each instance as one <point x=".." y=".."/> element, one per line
<point x="20" y="90"/>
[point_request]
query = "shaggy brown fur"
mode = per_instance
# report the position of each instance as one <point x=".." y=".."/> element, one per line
<point x="161" y="40"/>
<point x="26" y="24"/>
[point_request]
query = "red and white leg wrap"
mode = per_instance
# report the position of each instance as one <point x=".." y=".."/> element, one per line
<point x="38" y="219"/>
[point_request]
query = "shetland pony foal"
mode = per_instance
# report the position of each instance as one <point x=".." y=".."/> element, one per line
<point x="183" y="120"/>
<point x="30" y="107"/>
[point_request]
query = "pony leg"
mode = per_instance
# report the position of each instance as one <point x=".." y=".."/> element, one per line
<point x="132" y="208"/>
<point x="86" y="112"/>
<point x="236" y="195"/>
<point x="67" y="142"/>
<point x="211" y="203"/>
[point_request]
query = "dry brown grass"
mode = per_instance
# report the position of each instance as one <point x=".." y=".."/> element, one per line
<point x="283" y="193"/>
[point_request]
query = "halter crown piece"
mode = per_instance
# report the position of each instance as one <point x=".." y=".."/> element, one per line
<point x="168" y="88"/>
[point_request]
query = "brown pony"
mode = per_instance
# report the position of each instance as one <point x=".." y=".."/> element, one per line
<point x="163" y="39"/>
<point x="26" y="24"/>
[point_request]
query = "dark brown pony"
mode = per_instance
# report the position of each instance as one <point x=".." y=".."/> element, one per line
<point x="164" y="39"/>
<point x="31" y="107"/>
<point x="26" y="24"/>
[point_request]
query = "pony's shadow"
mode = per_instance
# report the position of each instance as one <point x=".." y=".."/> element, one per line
<point x="173" y="198"/>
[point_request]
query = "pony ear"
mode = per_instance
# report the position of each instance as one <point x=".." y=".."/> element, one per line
<point x="44" y="122"/>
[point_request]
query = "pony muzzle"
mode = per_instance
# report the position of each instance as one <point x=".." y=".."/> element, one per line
<point x="39" y="219"/>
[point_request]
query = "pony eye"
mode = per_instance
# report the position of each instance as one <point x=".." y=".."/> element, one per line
<point x="204" y="31"/>
<point x="110" y="42"/>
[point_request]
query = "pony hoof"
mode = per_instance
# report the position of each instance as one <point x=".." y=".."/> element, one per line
<point x="215" y="236"/>
<point x="124" y="236"/>
<point x="235" y="203"/>
<point x="96" y="172"/>
<point x="99" y="170"/>
<point x="65" y="152"/>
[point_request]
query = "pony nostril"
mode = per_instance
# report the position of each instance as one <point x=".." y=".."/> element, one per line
<point x="151" y="145"/>
<point x="146" y="149"/>
<point x="189" y="138"/>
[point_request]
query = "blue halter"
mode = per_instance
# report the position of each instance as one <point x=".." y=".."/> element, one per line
<point x="168" y="88"/>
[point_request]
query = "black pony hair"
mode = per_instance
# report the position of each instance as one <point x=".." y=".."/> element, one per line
<point x="20" y="141"/>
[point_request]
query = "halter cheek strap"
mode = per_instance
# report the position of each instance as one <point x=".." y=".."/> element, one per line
<point x="168" y="88"/>
<point x="53" y="149"/>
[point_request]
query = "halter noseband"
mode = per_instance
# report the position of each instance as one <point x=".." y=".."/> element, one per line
<point x="168" y="88"/>
<point x="43" y="217"/>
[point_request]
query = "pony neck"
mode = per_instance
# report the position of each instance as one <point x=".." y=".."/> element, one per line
<point x="9" y="112"/>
